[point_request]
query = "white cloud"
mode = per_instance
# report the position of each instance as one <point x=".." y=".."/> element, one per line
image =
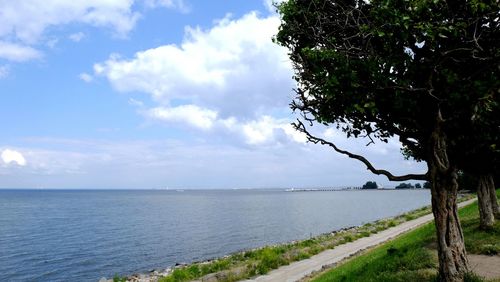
<point x="86" y="77"/>
<point x="4" y="71"/>
<point x="161" y="163"/>
<point x="77" y="37"/>
<point x="265" y="130"/>
<point x="190" y="114"/>
<point x="23" y="23"/>
<point x="269" y="130"/>
<point x="26" y="20"/>
<point x="17" y="53"/>
<point x="10" y="156"/>
<point x="231" y="78"/>
<point x="233" y="68"/>
<point x="177" y="4"/>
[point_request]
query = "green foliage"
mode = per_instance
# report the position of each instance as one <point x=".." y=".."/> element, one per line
<point x="370" y="185"/>
<point x="404" y="186"/>
<point x="117" y="278"/>
<point x="364" y="234"/>
<point x="391" y="223"/>
<point x="372" y="67"/>
<point x="472" y="277"/>
<point x="269" y="259"/>
<point x="466" y="181"/>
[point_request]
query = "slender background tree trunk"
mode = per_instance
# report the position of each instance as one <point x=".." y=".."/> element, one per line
<point x="493" y="196"/>
<point x="486" y="214"/>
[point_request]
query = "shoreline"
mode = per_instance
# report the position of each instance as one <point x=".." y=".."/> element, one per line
<point x="245" y="264"/>
<point x="154" y="274"/>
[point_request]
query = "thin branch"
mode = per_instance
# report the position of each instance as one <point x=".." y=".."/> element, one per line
<point x="313" y="139"/>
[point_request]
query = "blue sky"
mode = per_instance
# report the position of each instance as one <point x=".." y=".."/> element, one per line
<point x="158" y="93"/>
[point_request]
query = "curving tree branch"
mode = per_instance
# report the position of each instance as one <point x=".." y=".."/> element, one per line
<point x="299" y="126"/>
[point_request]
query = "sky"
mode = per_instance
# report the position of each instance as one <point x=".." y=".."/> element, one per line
<point x="148" y="94"/>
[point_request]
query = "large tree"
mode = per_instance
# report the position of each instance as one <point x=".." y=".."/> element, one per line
<point x="416" y="69"/>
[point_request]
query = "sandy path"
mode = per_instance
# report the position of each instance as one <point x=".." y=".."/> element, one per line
<point x="486" y="266"/>
<point x="297" y="270"/>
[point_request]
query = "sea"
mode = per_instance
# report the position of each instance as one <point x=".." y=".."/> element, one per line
<point x="83" y="235"/>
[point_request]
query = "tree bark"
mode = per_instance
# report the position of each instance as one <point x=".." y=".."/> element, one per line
<point x="453" y="263"/>
<point x="486" y="213"/>
<point x="493" y="196"/>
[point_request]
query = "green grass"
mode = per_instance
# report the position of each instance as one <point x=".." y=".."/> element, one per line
<point x="412" y="256"/>
<point x="478" y="241"/>
<point x="391" y="262"/>
<point x="117" y="278"/>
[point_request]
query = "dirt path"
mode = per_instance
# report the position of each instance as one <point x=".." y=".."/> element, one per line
<point x="485" y="266"/>
<point x="297" y="270"/>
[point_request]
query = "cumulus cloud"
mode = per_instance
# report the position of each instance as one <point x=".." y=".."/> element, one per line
<point x="269" y="130"/>
<point x="177" y="4"/>
<point x="23" y="23"/>
<point x="231" y="77"/>
<point x="10" y="156"/>
<point x="234" y="67"/>
<point x="190" y="114"/>
<point x="265" y="130"/>
<point x="26" y="20"/>
<point x="17" y="53"/>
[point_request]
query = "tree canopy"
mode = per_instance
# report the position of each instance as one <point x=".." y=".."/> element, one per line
<point x="370" y="185"/>
<point x="404" y="186"/>
<point x="388" y="68"/>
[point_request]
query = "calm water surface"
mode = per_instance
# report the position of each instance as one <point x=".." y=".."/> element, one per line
<point x="50" y="235"/>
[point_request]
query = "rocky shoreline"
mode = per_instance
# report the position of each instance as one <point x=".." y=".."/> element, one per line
<point x="152" y="276"/>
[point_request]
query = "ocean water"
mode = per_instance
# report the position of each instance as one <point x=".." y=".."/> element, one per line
<point x="83" y="235"/>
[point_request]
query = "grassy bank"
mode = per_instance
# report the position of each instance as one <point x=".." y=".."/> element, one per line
<point x="413" y="256"/>
<point x="260" y="261"/>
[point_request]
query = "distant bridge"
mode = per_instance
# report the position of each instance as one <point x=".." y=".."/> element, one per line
<point x="322" y="189"/>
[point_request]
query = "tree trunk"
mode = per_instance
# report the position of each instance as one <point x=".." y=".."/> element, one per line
<point x="486" y="215"/>
<point x="493" y="196"/>
<point x="453" y="263"/>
